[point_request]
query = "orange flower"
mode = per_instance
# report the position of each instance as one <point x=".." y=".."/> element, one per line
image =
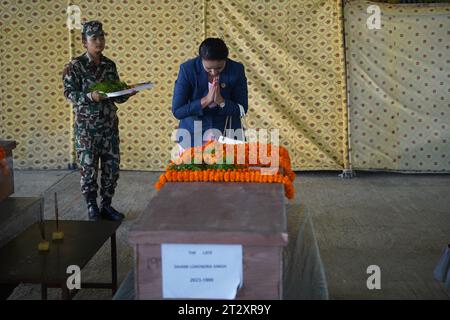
<point x="158" y="186"/>
<point x="214" y="151"/>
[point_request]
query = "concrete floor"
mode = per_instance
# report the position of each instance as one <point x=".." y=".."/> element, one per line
<point x="399" y="222"/>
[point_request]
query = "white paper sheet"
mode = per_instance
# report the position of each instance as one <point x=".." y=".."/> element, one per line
<point x="137" y="87"/>
<point x="201" y="271"/>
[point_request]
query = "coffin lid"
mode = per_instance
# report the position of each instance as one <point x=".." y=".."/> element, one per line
<point x="214" y="213"/>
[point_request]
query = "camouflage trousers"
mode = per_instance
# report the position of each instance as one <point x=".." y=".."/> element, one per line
<point x="94" y="147"/>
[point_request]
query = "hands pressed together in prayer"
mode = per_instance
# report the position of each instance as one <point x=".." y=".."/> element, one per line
<point x="213" y="95"/>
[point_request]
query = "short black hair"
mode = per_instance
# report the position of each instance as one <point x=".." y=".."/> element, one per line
<point x="213" y="49"/>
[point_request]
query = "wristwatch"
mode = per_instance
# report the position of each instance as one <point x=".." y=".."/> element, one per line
<point x="222" y="104"/>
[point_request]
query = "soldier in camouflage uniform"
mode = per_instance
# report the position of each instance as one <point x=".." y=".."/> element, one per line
<point x="95" y="122"/>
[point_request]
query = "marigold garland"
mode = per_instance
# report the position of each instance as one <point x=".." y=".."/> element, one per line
<point x="202" y="164"/>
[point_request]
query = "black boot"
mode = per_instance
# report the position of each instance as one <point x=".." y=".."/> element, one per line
<point x="108" y="212"/>
<point x="93" y="211"/>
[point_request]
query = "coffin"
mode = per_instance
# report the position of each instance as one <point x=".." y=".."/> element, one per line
<point x="250" y="214"/>
<point x="7" y="182"/>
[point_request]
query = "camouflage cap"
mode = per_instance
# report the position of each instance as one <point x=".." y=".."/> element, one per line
<point x="92" y="28"/>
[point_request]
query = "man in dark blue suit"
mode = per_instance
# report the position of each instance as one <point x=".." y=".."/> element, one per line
<point x="209" y="89"/>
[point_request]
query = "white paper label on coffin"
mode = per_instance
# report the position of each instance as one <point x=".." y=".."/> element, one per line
<point x="137" y="87"/>
<point x="201" y="271"/>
